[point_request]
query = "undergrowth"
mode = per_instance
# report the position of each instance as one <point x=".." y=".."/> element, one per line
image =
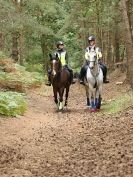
<point x="15" y="77"/>
<point x="12" y="103"/>
<point x="119" y="104"/>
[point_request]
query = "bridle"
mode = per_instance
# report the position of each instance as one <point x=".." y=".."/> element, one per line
<point x="56" y="71"/>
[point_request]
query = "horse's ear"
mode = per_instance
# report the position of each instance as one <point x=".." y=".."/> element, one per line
<point x="50" y="56"/>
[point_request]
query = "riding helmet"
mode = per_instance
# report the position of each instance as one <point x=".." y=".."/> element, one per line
<point x="91" y="38"/>
<point x="59" y="43"/>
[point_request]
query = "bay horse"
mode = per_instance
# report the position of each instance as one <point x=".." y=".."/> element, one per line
<point x="94" y="83"/>
<point x="61" y="81"/>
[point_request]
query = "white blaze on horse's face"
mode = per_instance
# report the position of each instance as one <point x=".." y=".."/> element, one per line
<point x="92" y="59"/>
<point x="53" y="69"/>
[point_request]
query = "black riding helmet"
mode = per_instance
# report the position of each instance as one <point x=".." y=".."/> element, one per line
<point x="59" y="43"/>
<point x="91" y="38"/>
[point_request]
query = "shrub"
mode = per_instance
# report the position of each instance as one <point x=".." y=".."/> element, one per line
<point x="34" y="67"/>
<point x="17" y="78"/>
<point x="12" y="103"/>
<point x="2" y="55"/>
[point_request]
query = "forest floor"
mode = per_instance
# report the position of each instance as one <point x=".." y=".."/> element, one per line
<point x="75" y="143"/>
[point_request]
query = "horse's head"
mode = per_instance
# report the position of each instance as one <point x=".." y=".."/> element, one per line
<point x="55" y="64"/>
<point x="92" y="59"/>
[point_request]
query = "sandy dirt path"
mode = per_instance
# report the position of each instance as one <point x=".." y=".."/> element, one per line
<point x="76" y="143"/>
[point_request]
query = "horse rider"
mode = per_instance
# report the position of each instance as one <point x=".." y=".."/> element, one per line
<point x="92" y="47"/>
<point x="63" y="56"/>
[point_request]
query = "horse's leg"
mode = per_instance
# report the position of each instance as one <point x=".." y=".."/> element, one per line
<point x="91" y="96"/>
<point x="99" y="98"/>
<point x="61" y="91"/>
<point x="87" y="95"/>
<point x="55" y="97"/>
<point x="94" y="97"/>
<point x="99" y="91"/>
<point x="66" y="96"/>
<point x="95" y="88"/>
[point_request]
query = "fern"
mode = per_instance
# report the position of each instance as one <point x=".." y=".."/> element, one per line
<point x="12" y="103"/>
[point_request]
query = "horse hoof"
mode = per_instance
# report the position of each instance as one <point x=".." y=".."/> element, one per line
<point x="88" y="106"/>
<point x="93" y="110"/>
<point x="60" y="110"/>
<point x="98" y="110"/>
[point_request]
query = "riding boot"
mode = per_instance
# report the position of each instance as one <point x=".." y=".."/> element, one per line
<point x="82" y="81"/>
<point x="105" y="81"/>
<point x="81" y="78"/>
<point x="82" y="74"/>
<point x="105" y="78"/>
<point x="49" y="79"/>
<point x="71" y="75"/>
<point x="104" y="69"/>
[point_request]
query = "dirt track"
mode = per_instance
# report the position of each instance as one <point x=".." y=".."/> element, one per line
<point x="44" y="143"/>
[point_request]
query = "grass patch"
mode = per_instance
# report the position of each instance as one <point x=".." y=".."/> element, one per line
<point x="34" y="67"/>
<point x="119" y="104"/>
<point x="12" y="103"/>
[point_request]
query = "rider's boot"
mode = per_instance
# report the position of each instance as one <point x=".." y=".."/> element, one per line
<point x="82" y="81"/>
<point x="104" y="69"/>
<point x="82" y="74"/>
<point x="48" y="83"/>
<point x="49" y="80"/>
<point x="71" y="75"/>
<point x="105" y="79"/>
<point x="72" y="81"/>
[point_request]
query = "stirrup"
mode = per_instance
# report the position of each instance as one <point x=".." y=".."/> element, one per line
<point x="82" y="82"/>
<point x="48" y="84"/>
<point x="106" y="81"/>
<point x="73" y="82"/>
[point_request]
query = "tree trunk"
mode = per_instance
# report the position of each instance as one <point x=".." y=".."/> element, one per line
<point x="1" y="41"/>
<point x="21" y="48"/>
<point x="15" y="52"/>
<point x="117" y="50"/>
<point x="130" y="15"/>
<point x="98" y="23"/>
<point x="129" y="43"/>
<point x="17" y="37"/>
<point x="109" y="49"/>
<point x="45" y="53"/>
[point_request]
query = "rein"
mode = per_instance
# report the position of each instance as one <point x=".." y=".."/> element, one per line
<point x="57" y="75"/>
<point x="95" y="63"/>
<point x="95" y="76"/>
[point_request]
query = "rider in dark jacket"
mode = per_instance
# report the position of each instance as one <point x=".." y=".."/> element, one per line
<point x="92" y="47"/>
<point x="63" y="56"/>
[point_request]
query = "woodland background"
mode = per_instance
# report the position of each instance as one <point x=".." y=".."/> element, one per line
<point x="29" y="30"/>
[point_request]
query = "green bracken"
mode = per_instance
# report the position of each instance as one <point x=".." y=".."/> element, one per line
<point x="12" y="103"/>
<point x="22" y="77"/>
<point x="120" y="103"/>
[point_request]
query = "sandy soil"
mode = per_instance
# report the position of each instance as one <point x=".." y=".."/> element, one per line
<point x="75" y="143"/>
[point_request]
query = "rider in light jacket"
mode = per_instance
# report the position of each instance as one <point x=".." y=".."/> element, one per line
<point x="92" y="47"/>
